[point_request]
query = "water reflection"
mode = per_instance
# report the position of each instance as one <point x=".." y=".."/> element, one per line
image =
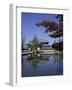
<point x="42" y="65"/>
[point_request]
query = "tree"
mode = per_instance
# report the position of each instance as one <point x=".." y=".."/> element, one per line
<point x="22" y="42"/>
<point x="33" y="45"/>
<point x="51" y="26"/>
<point x="56" y="29"/>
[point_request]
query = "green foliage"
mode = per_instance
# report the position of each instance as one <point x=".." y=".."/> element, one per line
<point x="22" y="42"/>
<point x="33" y="45"/>
<point x="58" y="46"/>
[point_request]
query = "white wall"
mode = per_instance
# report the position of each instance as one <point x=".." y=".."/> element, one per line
<point x="4" y="42"/>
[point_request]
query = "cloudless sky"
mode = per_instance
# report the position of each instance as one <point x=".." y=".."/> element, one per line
<point x="28" y="21"/>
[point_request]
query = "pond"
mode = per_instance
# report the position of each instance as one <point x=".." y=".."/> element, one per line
<point x="41" y="65"/>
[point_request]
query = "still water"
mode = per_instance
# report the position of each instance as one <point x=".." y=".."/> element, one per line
<point x="41" y="65"/>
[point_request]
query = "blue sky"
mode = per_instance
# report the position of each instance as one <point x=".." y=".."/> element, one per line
<point x="28" y="21"/>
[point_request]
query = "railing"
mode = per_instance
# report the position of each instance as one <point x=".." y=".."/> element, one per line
<point x="41" y="51"/>
<point x="28" y="52"/>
